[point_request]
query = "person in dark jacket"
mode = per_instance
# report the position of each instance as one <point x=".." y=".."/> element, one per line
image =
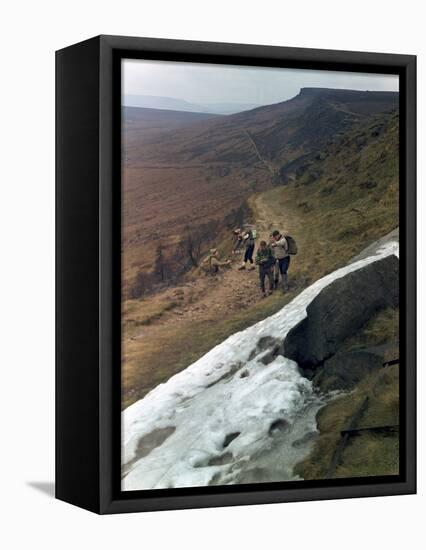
<point x="249" y="249"/>
<point x="265" y="260"/>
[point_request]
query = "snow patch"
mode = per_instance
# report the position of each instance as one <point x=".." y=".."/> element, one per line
<point x="231" y="391"/>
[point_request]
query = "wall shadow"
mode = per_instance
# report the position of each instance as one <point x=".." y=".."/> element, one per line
<point x="46" y="487"/>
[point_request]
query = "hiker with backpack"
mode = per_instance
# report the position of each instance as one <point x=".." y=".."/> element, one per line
<point x="282" y="247"/>
<point x="238" y="240"/>
<point x="265" y="260"/>
<point x="249" y="248"/>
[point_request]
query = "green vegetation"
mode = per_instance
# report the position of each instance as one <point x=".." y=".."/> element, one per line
<point x="381" y="329"/>
<point x="371" y="454"/>
<point x="368" y="453"/>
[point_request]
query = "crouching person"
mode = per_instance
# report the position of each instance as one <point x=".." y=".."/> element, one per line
<point x="212" y="263"/>
<point x="265" y="260"/>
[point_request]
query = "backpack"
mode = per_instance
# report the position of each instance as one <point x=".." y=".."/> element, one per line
<point x="249" y="237"/>
<point x="291" y="243"/>
<point x="254" y="233"/>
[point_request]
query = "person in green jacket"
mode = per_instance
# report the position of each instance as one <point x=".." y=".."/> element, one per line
<point x="265" y="260"/>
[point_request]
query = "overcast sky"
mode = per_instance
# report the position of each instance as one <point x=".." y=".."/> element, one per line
<point x="207" y="83"/>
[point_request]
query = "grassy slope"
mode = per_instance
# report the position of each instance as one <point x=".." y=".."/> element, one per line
<point x="342" y="203"/>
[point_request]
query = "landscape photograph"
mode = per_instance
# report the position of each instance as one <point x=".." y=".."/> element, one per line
<point x="259" y="275"/>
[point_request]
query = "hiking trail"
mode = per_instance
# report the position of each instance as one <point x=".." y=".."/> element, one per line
<point x="230" y="290"/>
<point x="204" y="300"/>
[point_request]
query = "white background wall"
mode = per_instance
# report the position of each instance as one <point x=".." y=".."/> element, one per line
<point x="30" y="33"/>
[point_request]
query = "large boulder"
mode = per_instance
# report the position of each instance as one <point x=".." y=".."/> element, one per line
<point x="341" y="309"/>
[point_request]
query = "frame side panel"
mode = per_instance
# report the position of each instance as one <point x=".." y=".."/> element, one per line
<point x="410" y="273"/>
<point x="77" y="278"/>
<point x="110" y="275"/>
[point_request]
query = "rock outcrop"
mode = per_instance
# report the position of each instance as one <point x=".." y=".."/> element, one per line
<point x="344" y="370"/>
<point x="341" y="309"/>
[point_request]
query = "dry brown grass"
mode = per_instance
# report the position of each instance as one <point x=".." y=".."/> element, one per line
<point x="160" y="201"/>
<point x="154" y="351"/>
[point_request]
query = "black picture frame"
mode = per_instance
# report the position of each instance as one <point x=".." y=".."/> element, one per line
<point x="88" y="141"/>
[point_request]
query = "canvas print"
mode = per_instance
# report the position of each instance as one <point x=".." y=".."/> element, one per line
<point x="260" y="261"/>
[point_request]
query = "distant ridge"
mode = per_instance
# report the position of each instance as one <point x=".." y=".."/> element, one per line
<point x="281" y="132"/>
<point x="175" y="104"/>
<point x="166" y="112"/>
<point x="307" y="91"/>
<point x="138" y="119"/>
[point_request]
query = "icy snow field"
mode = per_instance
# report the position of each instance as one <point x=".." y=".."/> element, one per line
<point x="228" y="417"/>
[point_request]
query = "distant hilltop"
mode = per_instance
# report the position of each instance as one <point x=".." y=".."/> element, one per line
<point x="346" y="93"/>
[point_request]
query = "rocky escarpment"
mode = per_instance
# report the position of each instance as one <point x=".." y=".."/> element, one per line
<point x="340" y="310"/>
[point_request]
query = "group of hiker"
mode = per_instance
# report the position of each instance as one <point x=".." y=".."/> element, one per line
<point x="272" y="259"/>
